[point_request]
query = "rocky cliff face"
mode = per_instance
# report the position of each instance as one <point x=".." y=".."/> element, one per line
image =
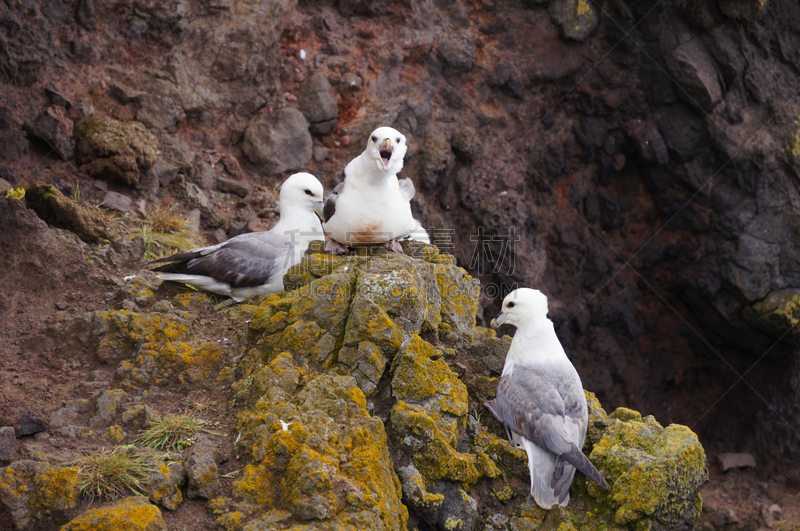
<point x="636" y="161"/>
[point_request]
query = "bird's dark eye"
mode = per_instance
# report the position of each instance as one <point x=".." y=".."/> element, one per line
<point x="398" y="140"/>
<point x="374" y="138"/>
<point x="308" y="192"/>
<point x="510" y="304"/>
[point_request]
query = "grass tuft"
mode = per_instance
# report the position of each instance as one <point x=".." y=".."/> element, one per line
<point x="113" y="474"/>
<point x="173" y="433"/>
<point x="168" y="221"/>
<point x="164" y="233"/>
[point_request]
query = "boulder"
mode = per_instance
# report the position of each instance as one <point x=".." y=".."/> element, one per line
<point x="385" y="327"/>
<point x="457" y="55"/>
<point x="113" y="150"/>
<point x="56" y="209"/>
<point x="577" y="18"/>
<point x="778" y="314"/>
<point x="164" y="484"/>
<point x="8" y="444"/>
<point x="317" y="104"/>
<point x="201" y="468"/>
<point x="52" y="127"/>
<point x="279" y="141"/>
<point x="134" y="513"/>
<point x="694" y="71"/>
<point x="36" y="495"/>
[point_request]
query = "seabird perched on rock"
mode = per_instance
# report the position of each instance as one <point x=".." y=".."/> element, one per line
<point x="371" y="206"/>
<point x="254" y="263"/>
<point x="540" y="400"/>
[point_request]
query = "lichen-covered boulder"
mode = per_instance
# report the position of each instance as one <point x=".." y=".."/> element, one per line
<point x="87" y="221"/>
<point x="134" y="513"/>
<point x="402" y="328"/>
<point x="655" y="475"/>
<point x="107" y="408"/>
<point x="640" y="456"/>
<point x="201" y="468"/>
<point x="429" y="416"/>
<point x="115" y="151"/>
<point x="577" y="18"/>
<point x="164" y="484"/>
<point x="776" y="314"/>
<point x="36" y="495"/>
<point x="159" y="347"/>
<point x="317" y="456"/>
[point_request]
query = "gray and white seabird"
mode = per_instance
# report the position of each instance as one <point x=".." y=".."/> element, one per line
<point x="254" y="263"/>
<point x="540" y="400"/>
<point x="371" y="206"/>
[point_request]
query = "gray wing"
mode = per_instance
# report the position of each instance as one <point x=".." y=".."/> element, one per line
<point x="330" y="204"/>
<point x="245" y="260"/>
<point x="407" y="189"/>
<point x="530" y="405"/>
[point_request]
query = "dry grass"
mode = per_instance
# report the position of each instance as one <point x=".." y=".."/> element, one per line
<point x="165" y="232"/>
<point x="173" y="433"/>
<point x="167" y="221"/>
<point x="113" y="474"/>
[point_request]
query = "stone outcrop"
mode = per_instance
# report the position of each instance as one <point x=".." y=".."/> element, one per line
<point x="113" y="150"/>
<point x="129" y="514"/>
<point x="393" y="322"/>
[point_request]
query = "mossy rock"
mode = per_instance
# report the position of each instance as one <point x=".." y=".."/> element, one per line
<point x="318" y="455"/>
<point x="355" y="311"/>
<point x="164" y="484"/>
<point x="58" y="210"/>
<point x="155" y="347"/>
<point x="393" y="323"/>
<point x="36" y="495"/>
<point x="776" y="314"/>
<point x="115" y="151"/>
<point x="134" y="513"/>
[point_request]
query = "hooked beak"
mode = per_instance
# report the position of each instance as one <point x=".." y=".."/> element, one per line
<point x="385" y="153"/>
<point x="318" y="210"/>
<point x="500" y="319"/>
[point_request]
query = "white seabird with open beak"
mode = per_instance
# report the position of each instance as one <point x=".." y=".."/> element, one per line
<point x="370" y="206"/>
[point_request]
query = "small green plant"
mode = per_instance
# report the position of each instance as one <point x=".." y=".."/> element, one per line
<point x="173" y="433"/>
<point x="112" y="474"/>
<point x="16" y="193"/>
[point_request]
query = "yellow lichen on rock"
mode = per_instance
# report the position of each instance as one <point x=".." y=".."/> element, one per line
<point x="134" y="513"/>
<point x="314" y="449"/>
<point x="639" y="455"/>
<point x="429" y="416"/>
<point x="32" y="491"/>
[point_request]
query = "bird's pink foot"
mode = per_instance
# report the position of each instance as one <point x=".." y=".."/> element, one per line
<point x="335" y="248"/>
<point x="394" y="245"/>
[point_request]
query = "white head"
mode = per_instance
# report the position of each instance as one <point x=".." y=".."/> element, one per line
<point x="386" y="147"/>
<point x="522" y="307"/>
<point x="301" y="191"/>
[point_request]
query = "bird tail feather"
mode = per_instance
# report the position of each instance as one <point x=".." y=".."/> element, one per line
<point x="576" y="458"/>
